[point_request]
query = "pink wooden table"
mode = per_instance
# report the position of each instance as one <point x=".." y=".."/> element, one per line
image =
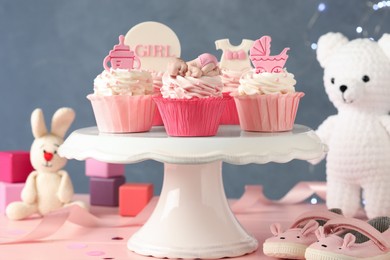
<point x="76" y="242"/>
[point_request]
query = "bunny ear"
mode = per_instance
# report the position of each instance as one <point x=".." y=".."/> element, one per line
<point x="276" y="229"/>
<point x="309" y="228"/>
<point x="320" y="233"/>
<point x="38" y="125"/>
<point x="61" y="121"/>
<point x="349" y="240"/>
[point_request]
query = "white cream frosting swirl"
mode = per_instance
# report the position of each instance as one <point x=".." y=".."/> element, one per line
<point x="252" y="83"/>
<point x="123" y="82"/>
<point x="188" y="87"/>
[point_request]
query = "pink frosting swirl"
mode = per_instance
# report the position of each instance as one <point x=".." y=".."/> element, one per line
<point x="230" y="80"/>
<point x="189" y="87"/>
<point x="157" y="80"/>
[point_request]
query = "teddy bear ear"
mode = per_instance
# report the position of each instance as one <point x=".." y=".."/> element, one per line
<point x="384" y="43"/>
<point x="327" y="44"/>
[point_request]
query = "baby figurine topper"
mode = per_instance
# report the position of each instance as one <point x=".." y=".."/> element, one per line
<point x="121" y="57"/>
<point x="205" y="65"/>
<point x="177" y="67"/>
<point x="259" y="55"/>
<point x="48" y="187"/>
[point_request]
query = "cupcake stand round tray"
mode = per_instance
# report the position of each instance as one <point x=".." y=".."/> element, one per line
<point x="192" y="218"/>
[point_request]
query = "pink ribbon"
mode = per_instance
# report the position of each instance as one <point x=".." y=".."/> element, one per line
<point x="252" y="197"/>
<point x="53" y="221"/>
<point x="235" y="55"/>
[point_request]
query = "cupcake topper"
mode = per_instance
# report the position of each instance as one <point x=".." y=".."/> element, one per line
<point x="154" y="43"/>
<point x="205" y="65"/>
<point x="259" y="55"/>
<point x="234" y="57"/>
<point x="121" y="57"/>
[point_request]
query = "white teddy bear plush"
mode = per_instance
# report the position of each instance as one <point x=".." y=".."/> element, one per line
<point x="48" y="187"/>
<point x="357" y="81"/>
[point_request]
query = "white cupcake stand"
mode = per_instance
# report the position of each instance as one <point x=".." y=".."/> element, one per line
<point x="192" y="218"/>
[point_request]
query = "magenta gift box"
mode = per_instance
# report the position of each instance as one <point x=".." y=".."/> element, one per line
<point x="15" y="166"/>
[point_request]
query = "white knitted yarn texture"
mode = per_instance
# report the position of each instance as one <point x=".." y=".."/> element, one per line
<point x="357" y="82"/>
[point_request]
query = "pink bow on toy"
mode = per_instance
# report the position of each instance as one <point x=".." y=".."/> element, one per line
<point x="235" y="55"/>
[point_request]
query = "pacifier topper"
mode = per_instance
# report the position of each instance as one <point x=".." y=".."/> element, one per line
<point x="121" y="57"/>
<point x="261" y="59"/>
<point x="154" y="43"/>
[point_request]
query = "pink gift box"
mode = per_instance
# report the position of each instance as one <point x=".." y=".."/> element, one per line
<point x="15" y="166"/>
<point x="94" y="168"/>
<point x="9" y="192"/>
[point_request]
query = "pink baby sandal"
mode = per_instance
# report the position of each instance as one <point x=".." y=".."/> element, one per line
<point x="292" y="243"/>
<point x="362" y="240"/>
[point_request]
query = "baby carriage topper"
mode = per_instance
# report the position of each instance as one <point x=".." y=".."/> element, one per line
<point x="261" y="59"/>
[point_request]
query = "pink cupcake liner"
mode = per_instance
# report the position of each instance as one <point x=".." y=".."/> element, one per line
<point x="192" y="117"/>
<point x="157" y="120"/>
<point x="268" y="113"/>
<point x="229" y="115"/>
<point x="123" y="114"/>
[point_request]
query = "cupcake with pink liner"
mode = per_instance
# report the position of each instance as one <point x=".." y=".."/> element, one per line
<point x="122" y="99"/>
<point x="157" y="84"/>
<point x="234" y="63"/>
<point x="231" y="81"/>
<point x="191" y="103"/>
<point x="266" y="99"/>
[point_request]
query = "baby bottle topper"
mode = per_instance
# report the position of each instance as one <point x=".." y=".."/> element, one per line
<point x="154" y="43"/>
<point x="259" y="55"/>
<point x="121" y="57"/>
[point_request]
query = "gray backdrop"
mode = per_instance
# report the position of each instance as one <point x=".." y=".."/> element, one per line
<point x="51" y="50"/>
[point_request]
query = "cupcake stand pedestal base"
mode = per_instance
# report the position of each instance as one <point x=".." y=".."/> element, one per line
<point x="192" y="218"/>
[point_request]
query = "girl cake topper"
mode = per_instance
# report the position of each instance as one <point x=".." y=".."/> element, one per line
<point x="154" y="43"/>
<point x="121" y="57"/>
<point x="261" y="59"/>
